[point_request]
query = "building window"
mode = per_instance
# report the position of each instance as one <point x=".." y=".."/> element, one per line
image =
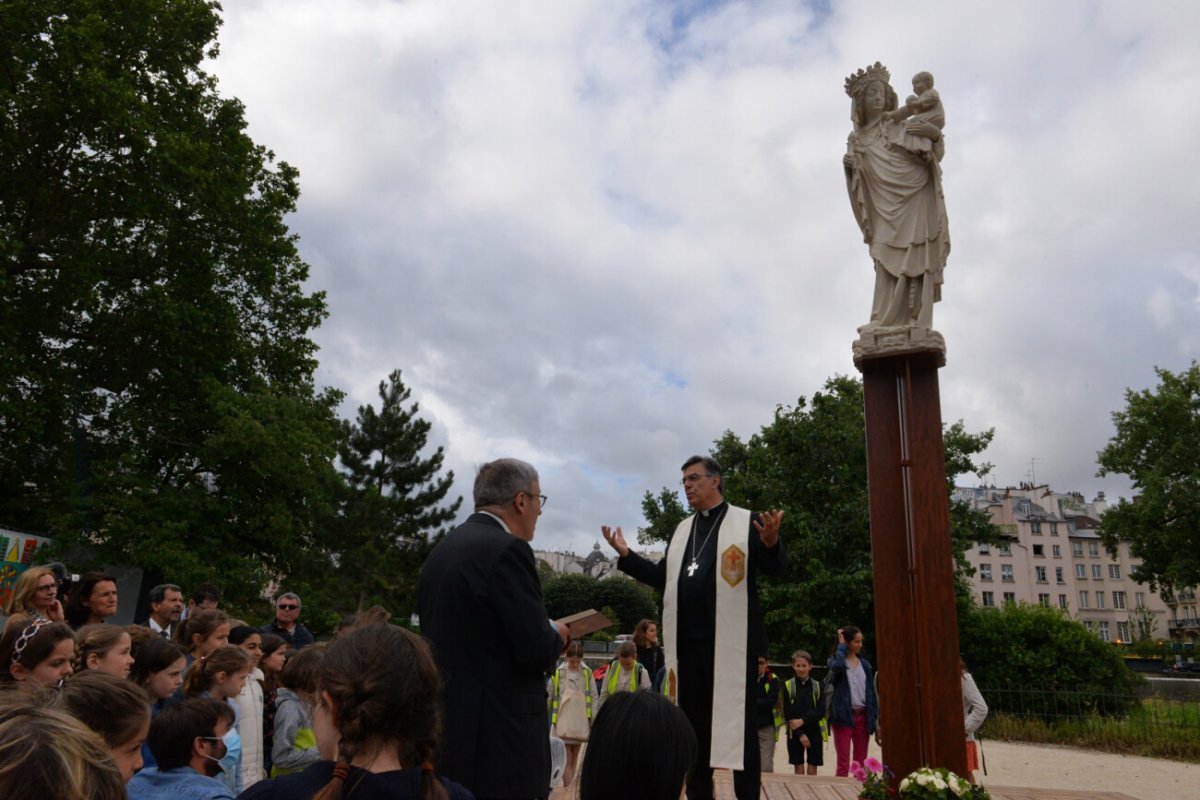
<point x="1056" y="551"/>
<point x="1119" y="600"/>
<point x="1099" y="599"/>
<point x="1123" y="631"/>
<point x="1041" y="574"/>
<point x="1077" y="549"/>
<point x="1081" y="572"/>
<point x="1004" y="549"/>
<point x="1104" y="634"/>
<point x="1054" y="529"/>
<point x="1010" y="597"/>
<point x="1114" y="572"/>
<point x="985" y="572"/>
<point x="1006" y="573"/>
<point x="1093" y="549"/>
<point x="1139" y="599"/>
<point x="1062" y="601"/>
<point x="1039" y="550"/>
<point x="1058" y="575"/>
<point x="1035" y="527"/>
<point x="1083" y="599"/>
<point x="989" y="599"/>
<point x="1096" y="572"/>
<point x="984" y="550"/>
<point x="1043" y="600"/>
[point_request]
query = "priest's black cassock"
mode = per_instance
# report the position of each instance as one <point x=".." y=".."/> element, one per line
<point x="695" y="630"/>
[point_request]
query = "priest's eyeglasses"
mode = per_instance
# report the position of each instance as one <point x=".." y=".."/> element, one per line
<point x="541" y="498"/>
<point x="694" y="477"/>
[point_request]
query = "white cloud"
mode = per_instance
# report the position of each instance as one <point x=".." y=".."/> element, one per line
<point x="599" y="234"/>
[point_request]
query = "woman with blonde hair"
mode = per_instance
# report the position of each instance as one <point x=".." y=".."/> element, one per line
<point x="44" y="752"/>
<point x="36" y="594"/>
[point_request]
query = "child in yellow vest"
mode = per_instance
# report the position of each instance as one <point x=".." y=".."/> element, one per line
<point x="572" y="690"/>
<point x="625" y="674"/>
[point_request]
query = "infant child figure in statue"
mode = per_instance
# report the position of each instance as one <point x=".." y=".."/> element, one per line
<point x="924" y="105"/>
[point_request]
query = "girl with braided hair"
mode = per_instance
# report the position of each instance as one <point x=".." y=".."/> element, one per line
<point x="103" y="647"/>
<point x="377" y="723"/>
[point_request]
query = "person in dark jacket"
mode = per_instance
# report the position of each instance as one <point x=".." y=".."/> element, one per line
<point x="854" y="708"/>
<point x="803" y="711"/>
<point x="767" y="714"/>
<point x="479" y="593"/>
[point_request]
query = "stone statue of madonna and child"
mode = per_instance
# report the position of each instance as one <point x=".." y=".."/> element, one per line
<point x="894" y="179"/>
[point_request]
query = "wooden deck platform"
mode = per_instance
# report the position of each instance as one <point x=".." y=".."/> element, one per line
<point x="826" y="787"/>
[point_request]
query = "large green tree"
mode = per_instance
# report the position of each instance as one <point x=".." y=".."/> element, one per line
<point x="1157" y="444"/>
<point x="810" y="462"/>
<point x="392" y="510"/>
<point x="157" y="404"/>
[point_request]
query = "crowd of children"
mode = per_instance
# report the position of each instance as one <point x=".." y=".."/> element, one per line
<point x="207" y="707"/>
<point x="222" y="710"/>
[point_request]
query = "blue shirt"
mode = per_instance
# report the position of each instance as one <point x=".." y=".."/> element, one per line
<point x="182" y="783"/>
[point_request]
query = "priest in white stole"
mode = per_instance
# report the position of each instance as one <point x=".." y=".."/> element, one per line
<point x="712" y="622"/>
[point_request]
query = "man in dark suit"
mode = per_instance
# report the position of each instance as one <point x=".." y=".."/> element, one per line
<point x="480" y="604"/>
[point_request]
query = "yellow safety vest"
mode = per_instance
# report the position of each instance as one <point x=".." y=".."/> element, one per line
<point x="587" y="694"/>
<point x="614" y="670"/>
<point x="777" y="712"/>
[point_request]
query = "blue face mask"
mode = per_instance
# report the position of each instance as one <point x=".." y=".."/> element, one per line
<point x="233" y="751"/>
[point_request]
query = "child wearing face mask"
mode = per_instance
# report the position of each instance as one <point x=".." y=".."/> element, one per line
<point x="221" y="675"/>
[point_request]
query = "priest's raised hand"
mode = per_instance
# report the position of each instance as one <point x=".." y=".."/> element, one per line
<point x="616" y="539"/>
<point x="767" y="526"/>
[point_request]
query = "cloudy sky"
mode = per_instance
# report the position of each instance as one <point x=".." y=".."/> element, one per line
<point x="595" y="234"/>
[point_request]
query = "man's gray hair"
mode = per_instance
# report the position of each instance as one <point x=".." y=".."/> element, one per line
<point x="289" y="596"/>
<point x="499" y="481"/>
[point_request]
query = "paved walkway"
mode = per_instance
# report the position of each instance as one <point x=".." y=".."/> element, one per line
<point x="1054" y="767"/>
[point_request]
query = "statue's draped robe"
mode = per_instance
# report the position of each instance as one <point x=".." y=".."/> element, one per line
<point x="898" y="202"/>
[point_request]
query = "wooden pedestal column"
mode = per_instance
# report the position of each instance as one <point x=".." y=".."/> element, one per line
<point x="920" y="689"/>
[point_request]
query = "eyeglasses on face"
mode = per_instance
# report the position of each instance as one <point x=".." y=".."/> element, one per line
<point x="541" y="498"/>
<point x="287" y="606"/>
<point x="693" y="477"/>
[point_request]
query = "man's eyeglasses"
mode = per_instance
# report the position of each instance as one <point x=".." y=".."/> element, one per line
<point x="541" y="498"/>
<point x="695" y="476"/>
<point x="287" y="607"/>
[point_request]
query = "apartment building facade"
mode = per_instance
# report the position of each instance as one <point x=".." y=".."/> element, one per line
<point x="1052" y="555"/>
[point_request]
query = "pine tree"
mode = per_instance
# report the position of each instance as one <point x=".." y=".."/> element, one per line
<point x="393" y="508"/>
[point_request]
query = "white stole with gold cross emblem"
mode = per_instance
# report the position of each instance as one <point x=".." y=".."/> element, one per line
<point x="731" y="640"/>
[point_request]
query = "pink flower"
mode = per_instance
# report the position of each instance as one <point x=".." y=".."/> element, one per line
<point x="873" y="765"/>
<point x="859" y="774"/>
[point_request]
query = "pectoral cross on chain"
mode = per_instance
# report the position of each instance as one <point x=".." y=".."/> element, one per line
<point x="692" y="567"/>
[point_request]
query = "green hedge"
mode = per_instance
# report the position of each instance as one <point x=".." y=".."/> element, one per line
<point x="1037" y="661"/>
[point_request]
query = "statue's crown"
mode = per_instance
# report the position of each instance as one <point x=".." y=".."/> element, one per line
<point x="858" y="81"/>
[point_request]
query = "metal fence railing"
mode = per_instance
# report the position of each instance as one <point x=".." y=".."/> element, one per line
<point x="1091" y="709"/>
